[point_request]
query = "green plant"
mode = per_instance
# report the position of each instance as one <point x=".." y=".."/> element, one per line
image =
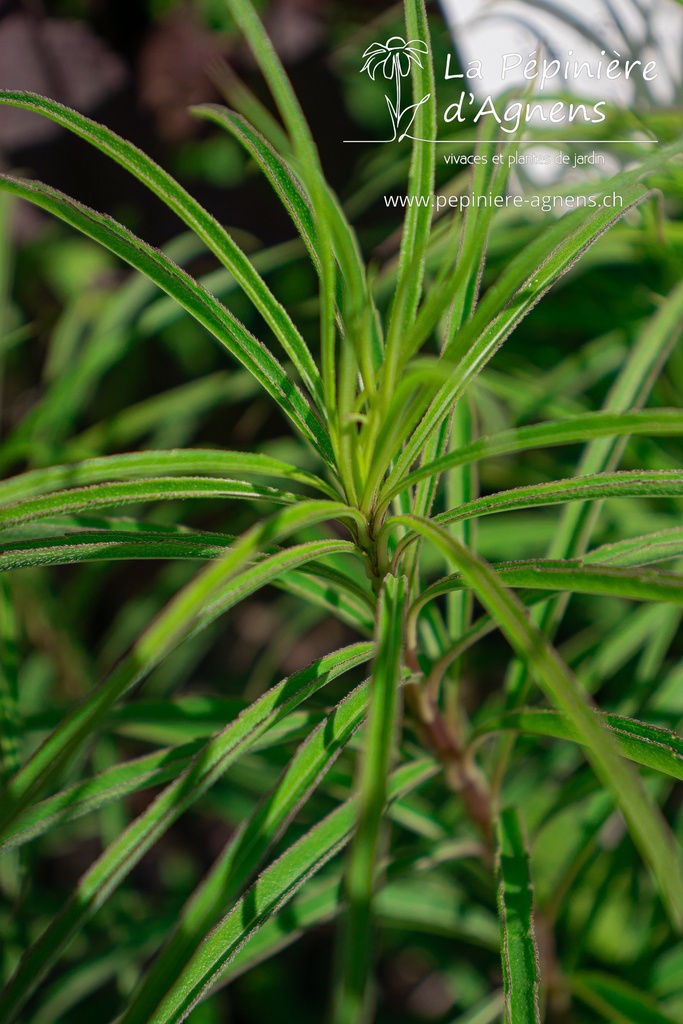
<point x="384" y="427"/>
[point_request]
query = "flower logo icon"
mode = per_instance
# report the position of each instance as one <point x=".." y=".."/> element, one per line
<point x="395" y="58"/>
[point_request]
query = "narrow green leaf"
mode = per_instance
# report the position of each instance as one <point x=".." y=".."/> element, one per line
<point x="106" y="546"/>
<point x="484" y="625"/>
<point x="98" y="496"/>
<point x="191" y="213"/>
<point x="278" y="83"/>
<point x="519" y="952"/>
<point x="108" y="337"/>
<point x="319" y="900"/>
<point x="544" y="574"/>
<point x="211" y="761"/>
<point x="574" y="430"/>
<point x="242" y="99"/>
<point x="324" y="203"/>
<point x="654" y="483"/>
<point x="203" y="306"/>
<point x="337" y="241"/>
<point x="317" y="584"/>
<point x="418" y="218"/>
<point x="648" y="829"/>
<point x="645" y="744"/>
<point x="616" y="1000"/>
<point x="173" y="722"/>
<point x="91" y="973"/>
<point x="322" y="899"/>
<point x="356" y="946"/>
<point x="274" y="888"/>
<point x="10" y="729"/>
<point x="280" y="176"/>
<point x="91" y="794"/>
<point x="194" y="461"/>
<point x="245" y="851"/>
<point x="425" y="493"/>
<point x="456" y="288"/>
<point x="215" y="589"/>
<point x="629" y="391"/>
<point x="460" y="485"/>
<point x="642" y="550"/>
<point x="430" y="902"/>
<point x="344" y="602"/>
<point x="505" y="306"/>
<point x="163" y="312"/>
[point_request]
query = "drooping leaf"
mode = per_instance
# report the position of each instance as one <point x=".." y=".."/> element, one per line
<point x="191" y="212"/>
<point x="646" y="824"/>
<point x="203" y="306"/>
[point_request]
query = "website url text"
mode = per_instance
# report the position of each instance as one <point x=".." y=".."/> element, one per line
<point x="540" y="202"/>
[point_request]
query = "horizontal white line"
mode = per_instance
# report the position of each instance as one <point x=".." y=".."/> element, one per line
<point x="525" y="142"/>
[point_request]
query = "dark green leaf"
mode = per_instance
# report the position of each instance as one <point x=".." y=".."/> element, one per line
<point x="645" y="744"/>
<point x="191" y="212"/>
<point x="521" y="970"/>
<point x="203" y="306"/>
<point x="616" y="1000"/>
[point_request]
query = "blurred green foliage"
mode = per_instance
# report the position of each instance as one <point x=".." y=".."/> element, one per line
<point x="95" y="362"/>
